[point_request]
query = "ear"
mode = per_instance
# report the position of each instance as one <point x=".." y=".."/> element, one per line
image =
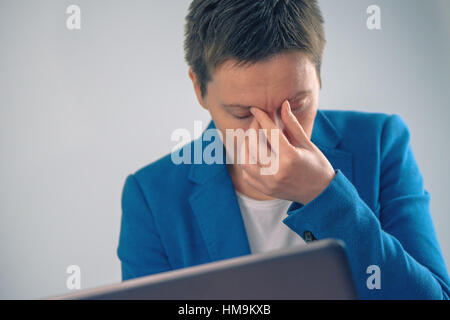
<point x="197" y="90"/>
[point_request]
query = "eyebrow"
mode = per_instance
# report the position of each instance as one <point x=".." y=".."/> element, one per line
<point x="246" y="106"/>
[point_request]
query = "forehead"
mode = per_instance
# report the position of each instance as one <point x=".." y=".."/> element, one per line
<point x="264" y="83"/>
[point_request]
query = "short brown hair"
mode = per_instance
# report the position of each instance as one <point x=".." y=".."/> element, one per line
<point x="250" y="31"/>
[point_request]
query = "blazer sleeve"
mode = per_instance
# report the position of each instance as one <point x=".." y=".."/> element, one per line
<point x="402" y="242"/>
<point x="140" y="249"/>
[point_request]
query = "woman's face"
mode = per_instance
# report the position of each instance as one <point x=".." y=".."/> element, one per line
<point x="264" y="85"/>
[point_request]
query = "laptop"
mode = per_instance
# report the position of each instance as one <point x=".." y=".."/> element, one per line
<point x="316" y="270"/>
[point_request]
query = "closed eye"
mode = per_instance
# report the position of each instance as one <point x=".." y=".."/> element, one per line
<point x="243" y="117"/>
<point x="297" y="105"/>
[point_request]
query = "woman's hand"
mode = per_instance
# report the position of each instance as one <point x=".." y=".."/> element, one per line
<point x="303" y="171"/>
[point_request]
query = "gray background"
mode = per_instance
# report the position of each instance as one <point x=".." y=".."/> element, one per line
<point x="80" y="110"/>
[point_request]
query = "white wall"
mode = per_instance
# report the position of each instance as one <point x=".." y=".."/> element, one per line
<point x="79" y="110"/>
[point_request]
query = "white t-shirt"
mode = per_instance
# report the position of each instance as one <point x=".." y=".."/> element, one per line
<point x="263" y="221"/>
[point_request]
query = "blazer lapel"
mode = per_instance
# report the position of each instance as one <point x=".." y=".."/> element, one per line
<point x="214" y="202"/>
<point x="217" y="211"/>
<point x="327" y="139"/>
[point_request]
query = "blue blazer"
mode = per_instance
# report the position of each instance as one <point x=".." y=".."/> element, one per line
<point x="175" y="216"/>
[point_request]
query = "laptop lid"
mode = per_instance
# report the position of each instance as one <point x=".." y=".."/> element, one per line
<point x="317" y="270"/>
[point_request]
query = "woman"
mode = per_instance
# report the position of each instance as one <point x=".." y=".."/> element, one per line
<point x="339" y="174"/>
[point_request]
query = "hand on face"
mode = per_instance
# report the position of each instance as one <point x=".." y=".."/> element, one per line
<point x="303" y="171"/>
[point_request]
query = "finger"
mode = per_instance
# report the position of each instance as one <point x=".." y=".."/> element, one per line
<point x="263" y="151"/>
<point x="266" y="153"/>
<point x="249" y="146"/>
<point x="295" y="130"/>
<point x="266" y="123"/>
<point x="265" y="164"/>
<point x="258" y="151"/>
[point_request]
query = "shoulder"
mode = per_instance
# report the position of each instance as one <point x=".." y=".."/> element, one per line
<point x="342" y="117"/>
<point x="344" y="120"/>
<point x="360" y="126"/>
<point x="163" y="174"/>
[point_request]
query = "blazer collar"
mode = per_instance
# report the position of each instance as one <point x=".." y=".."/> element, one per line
<point x="213" y="199"/>
<point x="324" y="133"/>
